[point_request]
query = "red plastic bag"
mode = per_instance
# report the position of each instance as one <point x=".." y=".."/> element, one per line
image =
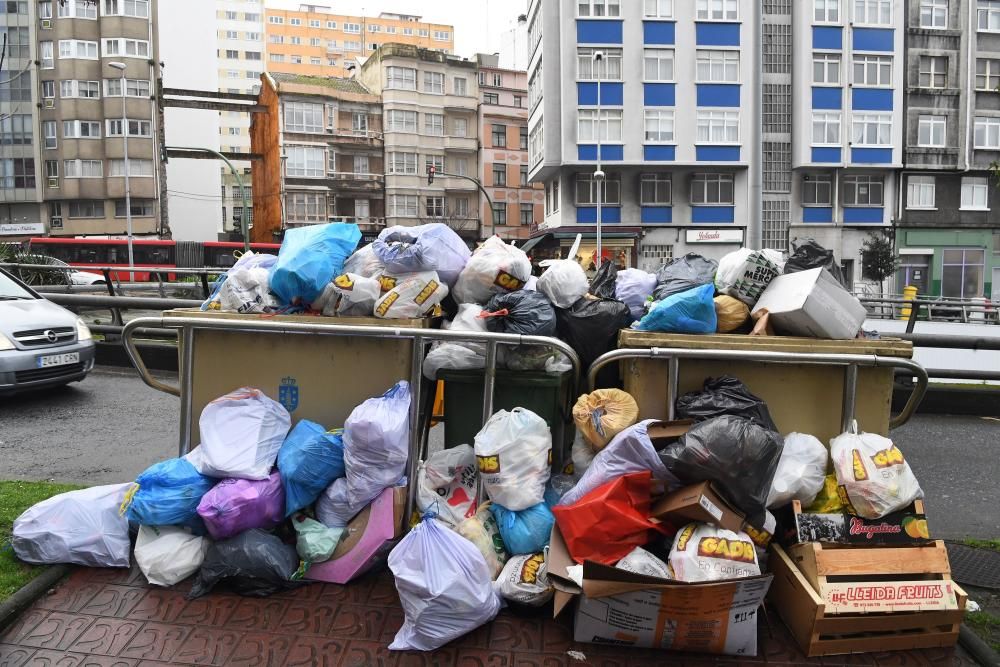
<point x="610" y="521"/>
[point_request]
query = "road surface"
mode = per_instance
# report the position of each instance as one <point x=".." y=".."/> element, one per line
<point x="109" y="428"/>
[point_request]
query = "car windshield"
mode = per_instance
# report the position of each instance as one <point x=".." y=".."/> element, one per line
<point x="10" y="290"/>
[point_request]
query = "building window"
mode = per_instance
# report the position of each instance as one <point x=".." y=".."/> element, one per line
<point x="17" y="173"/>
<point x="305" y="161"/>
<point x="398" y="120"/>
<point x="817" y="190"/>
<point x="352" y="28"/>
<point x="135" y="168"/>
<point x="402" y="163"/>
<point x="46" y="55"/>
<point x="275" y="20"/>
<point x="658" y="64"/>
<point x="862" y="190"/>
<point x="83" y="169"/>
<point x="717" y="10"/>
<point x="962" y="273"/>
<point x="276" y="39"/>
<point x="434" y="83"/>
<point x="659" y="126"/>
<point x="16" y="130"/>
<point x="500" y="214"/>
<point x="458" y="86"/>
<point x="434" y="124"/>
<point x="774" y="224"/>
<point x="587" y="186"/>
<point x="536" y="144"/>
<point x="303" y="117"/>
<point x="527" y="214"/>
<point x="331" y="25"/>
<point x="712" y="189"/>
<point x="434" y="207"/>
<point x="86" y="209"/>
<point x="49" y="132"/>
<point x="295" y="41"/>
<point x="44" y="8"/>
<point x="608" y="69"/>
<point x="987" y="74"/>
<point x="403" y="206"/>
<point x="442" y="35"/>
<point x="931" y="131"/>
<point x="294" y="21"/>
<point x="48" y="89"/>
<point x="81" y="129"/>
<point x="826" y="69"/>
<point x="826" y="11"/>
<point x="920" y="192"/>
<point x="18" y="42"/>
<point x="933" y="72"/>
<point x="129" y="48"/>
<point x="52" y="168"/>
<point x="77" y="48"/>
<point x="535" y="87"/>
<point x="307" y="207"/>
<point x="500" y="175"/>
<point x="523" y="182"/>
<point x="141" y="128"/>
<point x="934" y="14"/>
<point x="497" y="80"/>
<point x="826" y="128"/>
<point x="460" y="166"/>
<point x="554" y="191"/>
<point x="777" y="108"/>
<point x="987" y="132"/>
<point x="989" y="15"/>
<point x="314" y="23"/>
<point x="610" y="125"/>
<point x="133" y="88"/>
<point x="400" y="78"/>
<point x="658" y="9"/>
<point x="232" y="34"/>
<point x="232" y="54"/>
<point x="598" y="8"/>
<point x="460" y="127"/>
<point x="718" y="127"/>
<point x="523" y="137"/>
<point x="435" y="161"/>
<point x="499" y="136"/>
<point x="315" y="41"/>
<point x="351" y="45"/>
<point x="491" y="98"/>
<point x="872" y="129"/>
<point x="655" y="190"/>
<point x="777" y="48"/>
<point x="277" y="57"/>
<point x="374" y="27"/>
<point x="873" y="71"/>
<point x="83" y="89"/>
<point x="873" y="12"/>
<point x="777" y="166"/>
<point x="975" y="193"/>
<point x="133" y="8"/>
<point x="718" y="67"/>
<point x="72" y="9"/>
<point x="296" y="60"/>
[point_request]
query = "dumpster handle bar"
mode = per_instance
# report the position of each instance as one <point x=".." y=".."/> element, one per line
<point x="851" y="363"/>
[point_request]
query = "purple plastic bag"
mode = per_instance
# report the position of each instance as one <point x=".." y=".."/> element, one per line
<point x="237" y="505"/>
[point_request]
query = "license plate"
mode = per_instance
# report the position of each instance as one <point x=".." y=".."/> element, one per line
<point x="58" y="359"/>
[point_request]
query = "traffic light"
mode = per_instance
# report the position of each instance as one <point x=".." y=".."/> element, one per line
<point x="430" y="174"/>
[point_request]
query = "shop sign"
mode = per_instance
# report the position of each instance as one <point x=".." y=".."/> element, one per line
<point x="715" y="236"/>
<point x="9" y="229"/>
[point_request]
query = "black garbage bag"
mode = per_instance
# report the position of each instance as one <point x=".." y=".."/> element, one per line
<point x="254" y="563"/>
<point x="736" y="454"/>
<point x="684" y="273"/>
<point x="810" y="255"/>
<point x="521" y="312"/>
<point x="605" y="280"/>
<point x="724" y="396"/>
<point x="590" y="326"/>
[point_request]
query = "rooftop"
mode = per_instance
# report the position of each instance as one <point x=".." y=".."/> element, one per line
<point x="335" y="83"/>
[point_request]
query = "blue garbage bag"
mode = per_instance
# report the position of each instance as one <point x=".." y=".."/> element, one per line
<point x="309" y="259"/>
<point x="167" y="494"/>
<point x="310" y="459"/>
<point x="690" y="312"/>
<point x="524" y="532"/>
<point x="431" y="247"/>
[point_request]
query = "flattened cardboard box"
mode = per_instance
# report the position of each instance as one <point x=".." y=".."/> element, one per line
<point x="627" y="609"/>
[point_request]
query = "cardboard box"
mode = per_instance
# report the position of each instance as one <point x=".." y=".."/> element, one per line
<point x="812" y="303"/>
<point x="905" y="527"/>
<point x="860" y="597"/>
<point x="367" y="541"/>
<point x="626" y="609"/>
<point x="698" y="502"/>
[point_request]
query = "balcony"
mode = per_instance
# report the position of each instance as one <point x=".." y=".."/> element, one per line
<point x="350" y="180"/>
<point x="467" y="228"/>
<point x="343" y="136"/>
<point x="367" y="225"/>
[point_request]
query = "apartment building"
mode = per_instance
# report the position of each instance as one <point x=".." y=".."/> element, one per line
<point x="948" y="218"/>
<point x="672" y="104"/>
<point x="315" y="41"/>
<point x="503" y="163"/>
<point x="430" y="103"/>
<point x="240" y="49"/>
<point x="321" y="144"/>
<point x="62" y="149"/>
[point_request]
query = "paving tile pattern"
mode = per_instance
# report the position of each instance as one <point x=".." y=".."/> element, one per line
<point x="112" y="618"/>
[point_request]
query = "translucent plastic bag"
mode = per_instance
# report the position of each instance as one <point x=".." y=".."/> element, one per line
<point x="873" y="472"/>
<point x="376" y="442"/>
<point x="350" y="294"/>
<point x="446" y="484"/>
<point x="168" y="555"/>
<point x="444" y="586"/>
<point x="683" y="274"/>
<point x="310" y="459"/>
<point x="82" y="527"/>
<point x="235" y="505"/>
<point x="254" y="563"/>
<point x="525" y="580"/>
<point x="634" y="287"/>
<point x="582" y="455"/>
<point x="309" y="258"/>
<point x="167" y="494"/>
<point x="744" y="274"/>
<point x="603" y="414"/>
<point x="526" y="531"/>
<point x="241" y="434"/>
<point x="245" y="287"/>
<point x="482" y="530"/>
<point x="564" y="282"/>
<point x="458" y="355"/>
<point x="364" y="262"/>
<point x="709" y="553"/>
<point x="520" y="312"/>
<point x="801" y="471"/>
<point x="513" y="451"/>
<point x="415" y="295"/>
<point x="641" y="561"/>
<point x="315" y="543"/>
<point x="690" y="312"/>
<point x="432" y="247"/>
<point x="494" y="268"/>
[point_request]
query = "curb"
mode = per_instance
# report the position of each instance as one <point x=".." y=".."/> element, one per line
<point x="31" y="591"/>
<point x="970" y="641"/>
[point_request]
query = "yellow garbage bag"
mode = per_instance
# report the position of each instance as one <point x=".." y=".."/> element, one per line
<point x="731" y="313"/>
<point x="828" y="500"/>
<point x="602" y="414"/>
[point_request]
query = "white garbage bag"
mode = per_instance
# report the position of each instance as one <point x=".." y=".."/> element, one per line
<point x="444" y="586"/>
<point x="446" y="484"/>
<point x="349" y="294"/>
<point x="245" y="288"/>
<point x="641" y="561"/>
<point x="431" y="247"/>
<point x="484" y="532"/>
<point x="633" y="287"/>
<point x="168" y="555"/>
<point x="800" y="472"/>
<point x="241" y="434"/>
<point x="458" y="355"/>
<point x="82" y="527"/>
<point x="709" y="553"/>
<point x="525" y="579"/>
<point x="414" y="295"/>
<point x="364" y="262"/>
<point x="513" y="451"/>
<point x="744" y="274"/>
<point x="335" y="507"/>
<point x="495" y="267"/>
<point x="564" y="282"/>
<point x="872" y="470"/>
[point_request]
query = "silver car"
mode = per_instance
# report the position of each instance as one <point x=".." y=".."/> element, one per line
<point x="41" y="344"/>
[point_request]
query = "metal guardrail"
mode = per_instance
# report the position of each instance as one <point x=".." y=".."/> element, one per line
<point x="420" y="338"/>
<point x="850" y="362"/>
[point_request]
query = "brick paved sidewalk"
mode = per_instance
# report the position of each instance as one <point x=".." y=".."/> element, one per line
<point x="112" y="617"/>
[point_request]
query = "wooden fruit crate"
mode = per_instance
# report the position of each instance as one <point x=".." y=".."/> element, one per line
<point x="842" y="599"/>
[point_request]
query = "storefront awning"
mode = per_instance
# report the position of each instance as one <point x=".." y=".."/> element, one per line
<point x="531" y="243"/>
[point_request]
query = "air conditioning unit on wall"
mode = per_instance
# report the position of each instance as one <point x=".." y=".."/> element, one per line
<point x="49" y="103"/>
<point x="54" y="183"/>
<point x="46" y="24"/>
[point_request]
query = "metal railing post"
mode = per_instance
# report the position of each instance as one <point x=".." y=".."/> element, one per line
<point x="673" y="379"/>
<point x="416" y="432"/>
<point x="850" y="397"/>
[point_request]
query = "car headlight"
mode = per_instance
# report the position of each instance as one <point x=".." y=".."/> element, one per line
<point x="82" y="332"/>
<point x="5" y="343"/>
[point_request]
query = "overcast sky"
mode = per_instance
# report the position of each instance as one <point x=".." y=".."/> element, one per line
<point x="478" y="23"/>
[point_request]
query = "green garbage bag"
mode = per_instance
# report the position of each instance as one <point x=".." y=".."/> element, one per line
<point x="315" y="542"/>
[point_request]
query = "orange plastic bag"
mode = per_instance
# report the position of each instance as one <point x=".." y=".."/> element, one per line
<point x="609" y="522"/>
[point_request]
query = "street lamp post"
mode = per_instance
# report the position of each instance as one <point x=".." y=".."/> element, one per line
<point x="598" y="172"/>
<point x="128" y="193"/>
